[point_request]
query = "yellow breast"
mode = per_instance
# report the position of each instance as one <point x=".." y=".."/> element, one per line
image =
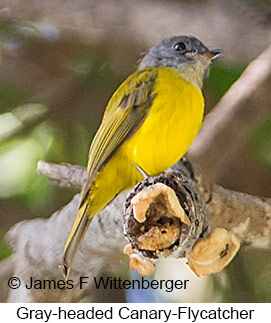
<point x="171" y="125"/>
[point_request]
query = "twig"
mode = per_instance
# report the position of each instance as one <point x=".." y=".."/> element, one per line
<point x="232" y="118"/>
<point x="247" y="216"/>
<point x="64" y="175"/>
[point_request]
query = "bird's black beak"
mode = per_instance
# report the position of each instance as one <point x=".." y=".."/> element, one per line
<point x="212" y="54"/>
<point x="215" y="53"/>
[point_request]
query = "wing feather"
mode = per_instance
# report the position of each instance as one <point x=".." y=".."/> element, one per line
<point x="125" y="112"/>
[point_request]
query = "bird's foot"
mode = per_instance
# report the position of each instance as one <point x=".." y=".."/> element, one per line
<point x="142" y="172"/>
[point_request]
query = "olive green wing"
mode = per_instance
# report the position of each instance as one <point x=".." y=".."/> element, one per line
<point x="125" y="112"/>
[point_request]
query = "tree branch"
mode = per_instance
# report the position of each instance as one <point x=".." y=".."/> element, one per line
<point x="231" y="120"/>
<point x="247" y="216"/>
<point x="254" y="213"/>
<point x="64" y="175"/>
<point x="234" y="218"/>
<point x="38" y="255"/>
<point x="38" y="246"/>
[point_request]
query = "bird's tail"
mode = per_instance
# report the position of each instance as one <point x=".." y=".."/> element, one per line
<point x="75" y="237"/>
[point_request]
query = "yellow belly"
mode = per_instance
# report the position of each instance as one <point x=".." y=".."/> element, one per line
<point x="163" y="138"/>
<point x="171" y="125"/>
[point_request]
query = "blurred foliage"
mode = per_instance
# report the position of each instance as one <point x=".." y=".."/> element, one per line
<point x="53" y="90"/>
<point x="5" y="249"/>
<point x="246" y="279"/>
<point x="10" y="95"/>
<point x="260" y="142"/>
<point x="221" y="77"/>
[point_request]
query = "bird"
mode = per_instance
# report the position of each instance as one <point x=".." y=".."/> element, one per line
<point x="148" y="124"/>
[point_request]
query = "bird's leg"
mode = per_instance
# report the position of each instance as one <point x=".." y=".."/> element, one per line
<point x="211" y="254"/>
<point x="144" y="266"/>
<point x="142" y="172"/>
<point x="142" y="200"/>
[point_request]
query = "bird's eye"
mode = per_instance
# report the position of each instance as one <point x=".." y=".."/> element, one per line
<point x="179" y="47"/>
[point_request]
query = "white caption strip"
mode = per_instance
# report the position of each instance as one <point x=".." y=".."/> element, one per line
<point x="161" y="312"/>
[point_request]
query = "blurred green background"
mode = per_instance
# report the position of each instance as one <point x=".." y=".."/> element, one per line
<point x="59" y="64"/>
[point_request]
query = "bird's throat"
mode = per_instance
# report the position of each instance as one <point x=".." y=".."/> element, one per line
<point x="194" y="72"/>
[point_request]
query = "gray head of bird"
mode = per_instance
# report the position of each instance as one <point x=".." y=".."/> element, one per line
<point x="187" y="54"/>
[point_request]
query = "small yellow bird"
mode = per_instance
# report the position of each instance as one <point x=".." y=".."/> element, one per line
<point x="148" y="125"/>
